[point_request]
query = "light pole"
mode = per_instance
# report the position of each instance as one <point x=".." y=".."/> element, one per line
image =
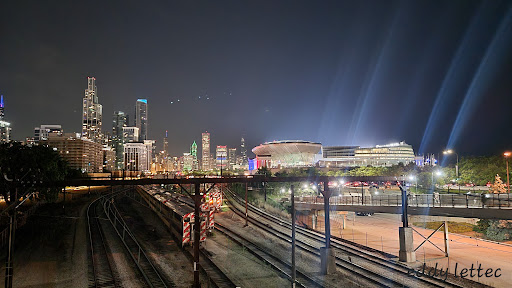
<point x="450" y="151"/>
<point x="507" y="154"/>
<point x="414" y="178"/>
<point x="438" y="173"/>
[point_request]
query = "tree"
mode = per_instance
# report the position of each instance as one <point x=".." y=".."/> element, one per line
<point x="264" y="171"/>
<point x="498" y="186"/>
<point x="25" y="168"/>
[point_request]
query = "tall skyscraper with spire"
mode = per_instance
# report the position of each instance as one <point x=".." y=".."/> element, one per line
<point x="5" y="127"/>
<point x="193" y="152"/>
<point x="193" y="149"/>
<point x="92" y="112"/>
<point x="141" y="118"/>
<point x="2" y="107"/>
<point x="243" y="151"/>
<point x="119" y="121"/>
<point x="205" y="159"/>
<point x="166" y="145"/>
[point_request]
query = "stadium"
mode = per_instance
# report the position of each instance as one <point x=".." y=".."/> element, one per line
<point x="287" y="154"/>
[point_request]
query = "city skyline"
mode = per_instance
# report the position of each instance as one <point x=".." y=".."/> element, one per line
<point x="356" y="76"/>
<point x="287" y="143"/>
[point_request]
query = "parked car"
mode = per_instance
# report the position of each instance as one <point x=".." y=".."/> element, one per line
<point x="364" y="213"/>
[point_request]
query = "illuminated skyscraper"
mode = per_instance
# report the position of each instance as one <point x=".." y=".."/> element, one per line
<point x="5" y="129"/>
<point x="131" y="134"/>
<point x="141" y="118"/>
<point x="222" y="153"/>
<point x="1" y="107"/>
<point x="205" y="151"/>
<point x="151" y="151"/>
<point x="166" y="146"/>
<point x="163" y="157"/>
<point x="193" y="153"/>
<point x="44" y="131"/>
<point x="231" y="158"/>
<point x="119" y="121"/>
<point x="243" y="151"/>
<point x="136" y="157"/>
<point x="91" y="112"/>
<point x="193" y="149"/>
<point x="188" y="162"/>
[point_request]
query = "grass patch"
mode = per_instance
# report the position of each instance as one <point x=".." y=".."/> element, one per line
<point x="453" y="227"/>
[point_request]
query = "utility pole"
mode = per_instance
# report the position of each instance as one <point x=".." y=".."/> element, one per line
<point x="406" y="252"/>
<point x="9" y="271"/>
<point x="294" y="272"/>
<point x="507" y="154"/>
<point x="9" y="265"/>
<point x="197" y="232"/>
<point x="265" y="190"/>
<point x="327" y="254"/>
<point x="246" y="215"/>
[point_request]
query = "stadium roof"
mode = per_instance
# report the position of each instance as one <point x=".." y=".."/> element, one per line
<point x="291" y="141"/>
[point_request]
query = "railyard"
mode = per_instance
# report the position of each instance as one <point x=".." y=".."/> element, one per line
<point x="234" y="254"/>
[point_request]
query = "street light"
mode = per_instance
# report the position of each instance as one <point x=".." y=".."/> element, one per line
<point x="414" y="178"/>
<point x="450" y="151"/>
<point x="438" y="173"/>
<point x="507" y="154"/>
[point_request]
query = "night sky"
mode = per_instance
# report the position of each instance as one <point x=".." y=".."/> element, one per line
<point x="433" y="73"/>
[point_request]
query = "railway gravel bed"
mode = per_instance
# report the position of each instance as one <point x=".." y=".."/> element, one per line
<point x="51" y="249"/>
<point x="158" y="243"/>
<point x="366" y="258"/>
<point x="305" y="263"/>
<point x="236" y="262"/>
<point x="240" y="265"/>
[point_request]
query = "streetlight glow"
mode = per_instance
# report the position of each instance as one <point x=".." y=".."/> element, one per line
<point x="507" y="154"/>
<point x="450" y="151"/>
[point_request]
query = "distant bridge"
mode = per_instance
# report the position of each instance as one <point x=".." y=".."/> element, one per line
<point x="451" y="205"/>
<point x="488" y="206"/>
<point x="236" y="179"/>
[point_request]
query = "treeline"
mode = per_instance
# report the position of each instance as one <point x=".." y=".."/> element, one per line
<point x="476" y="170"/>
<point x="25" y="168"/>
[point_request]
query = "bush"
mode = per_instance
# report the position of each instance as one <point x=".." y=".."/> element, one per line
<point x="496" y="233"/>
<point x="481" y="226"/>
<point x="453" y="227"/>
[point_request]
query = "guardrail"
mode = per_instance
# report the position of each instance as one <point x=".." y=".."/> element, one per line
<point x="142" y="261"/>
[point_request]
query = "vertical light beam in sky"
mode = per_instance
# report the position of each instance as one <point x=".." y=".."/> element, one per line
<point x="362" y="110"/>
<point x="497" y="50"/>
<point x="451" y="81"/>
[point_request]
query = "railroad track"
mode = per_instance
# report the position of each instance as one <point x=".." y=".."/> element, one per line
<point x="139" y="257"/>
<point x="375" y="279"/>
<point x="101" y="273"/>
<point x="217" y="277"/>
<point x="353" y="252"/>
<point x="277" y="264"/>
